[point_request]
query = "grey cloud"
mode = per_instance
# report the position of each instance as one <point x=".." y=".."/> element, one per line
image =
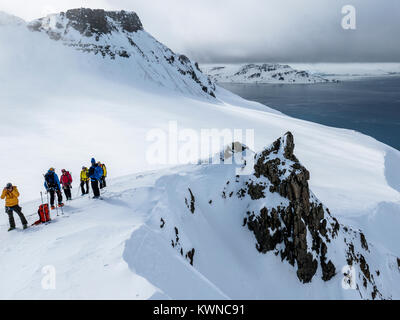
<point x="258" y="30"/>
<point x="285" y="30"/>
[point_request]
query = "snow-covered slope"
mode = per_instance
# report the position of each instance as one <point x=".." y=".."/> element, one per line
<point x="260" y="73"/>
<point x="60" y="106"/>
<point x="200" y="232"/>
<point x="8" y="19"/>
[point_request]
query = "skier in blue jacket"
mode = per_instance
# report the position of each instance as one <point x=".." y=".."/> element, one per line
<point x="52" y="185"/>
<point x="95" y="175"/>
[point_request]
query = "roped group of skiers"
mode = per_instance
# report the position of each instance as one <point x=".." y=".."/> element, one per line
<point x="97" y="174"/>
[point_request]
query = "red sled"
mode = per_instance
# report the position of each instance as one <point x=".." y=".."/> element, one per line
<point x="44" y="214"/>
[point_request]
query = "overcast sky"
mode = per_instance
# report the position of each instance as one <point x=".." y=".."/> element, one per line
<point x="254" y="30"/>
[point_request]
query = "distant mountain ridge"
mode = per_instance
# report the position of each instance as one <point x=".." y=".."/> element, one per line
<point x="261" y="73"/>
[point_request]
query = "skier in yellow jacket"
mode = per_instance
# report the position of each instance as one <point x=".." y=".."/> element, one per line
<point x="84" y="180"/>
<point x="11" y="194"/>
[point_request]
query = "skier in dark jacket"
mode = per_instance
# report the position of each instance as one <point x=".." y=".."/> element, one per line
<point x="66" y="181"/>
<point x="52" y="185"/>
<point x="95" y="175"/>
<point x="11" y="194"/>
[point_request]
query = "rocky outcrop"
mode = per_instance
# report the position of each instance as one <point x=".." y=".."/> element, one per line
<point x="294" y="225"/>
<point x="300" y="229"/>
<point x="88" y="22"/>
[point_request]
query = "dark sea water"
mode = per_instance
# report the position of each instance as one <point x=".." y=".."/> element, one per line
<point x="371" y="106"/>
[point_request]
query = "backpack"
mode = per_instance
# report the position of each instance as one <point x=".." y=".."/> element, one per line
<point x="91" y="171"/>
<point x="44" y="214"/>
<point x="50" y="179"/>
<point x="103" y="167"/>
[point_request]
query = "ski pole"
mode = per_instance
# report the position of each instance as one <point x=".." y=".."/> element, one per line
<point x="55" y="194"/>
<point x="61" y="206"/>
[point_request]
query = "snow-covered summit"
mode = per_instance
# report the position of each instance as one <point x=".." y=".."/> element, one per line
<point x="10" y="20"/>
<point x="120" y="35"/>
<point x="260" y="73"/>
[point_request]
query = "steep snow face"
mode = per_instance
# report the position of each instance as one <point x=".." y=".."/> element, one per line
<point x="120" y="35"/>
<point x="255" y="236"/>
<point x="10" y="20"/>
<point x="260" y="73"/>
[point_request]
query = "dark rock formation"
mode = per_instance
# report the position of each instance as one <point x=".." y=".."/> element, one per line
<point x="290" y="225"/>
<point x="357" y="258"/>
<point x="191" y="207"/>
<point x="190" y="255"/>
<point x="89" y="22"/>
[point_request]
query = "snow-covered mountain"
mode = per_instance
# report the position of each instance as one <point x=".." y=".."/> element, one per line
<point x="260" y="73"/>
<point x="120" y="35"/>
<point x="350" y="71"/>
<point x="316" y="199"/>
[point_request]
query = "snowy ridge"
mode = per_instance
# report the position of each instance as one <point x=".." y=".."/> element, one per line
<point x="120" y="35"/>
<point x="10" y="20"/>
<point x="260" y="73"/>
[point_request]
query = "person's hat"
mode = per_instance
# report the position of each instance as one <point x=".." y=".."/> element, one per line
<point x="51" y="169"/>
<point x="93" y="160"/>
<point x="63" y="170"/>
<point x="9" y="185"/>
